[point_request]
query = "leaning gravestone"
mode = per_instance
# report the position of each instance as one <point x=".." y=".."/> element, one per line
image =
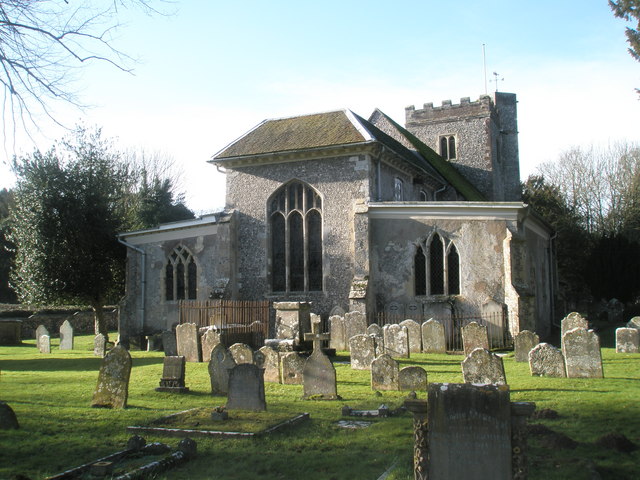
<point x="483" y="367"/>
<point x="246" y="388"/>
<point x="582" y="356"/>
<point x="41" y="330"/>
<point x="433" y="339"/>
<point x="355" y="323"/>
<point x="627" y="340"/>
<point x="66" y="336"/>
<point x="412" y="378"/>
<point x="545" y="360"/>
<point x="220" y="363"/>
<point x="384" y="373"/>
<point x="210" y="339"/>
<point x="338" y="333"/>
<point x="292" y="367"/>
<point x="362" y="350"/>
<point x="415" y="335"/>
<point x="241" y="353"/>
<point x="187" y="342"/>
<point x="634" y="323"/>
<point x="268" y="359"/>
<point x="571" y="321"/>
<point x="523" y="343"/>
<point x="474" y="336"/>
<point x="44" y="344"/>
<point x="318" y="375"/>
<point x="396" y="340"/>
<point x="170" y="345"/>
<point x="112" y="389"/>
<point x="173" y="373"/>
<point x="99" y="345"/>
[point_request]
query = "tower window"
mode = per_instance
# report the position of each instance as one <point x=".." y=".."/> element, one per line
<point x="448" y="147"/>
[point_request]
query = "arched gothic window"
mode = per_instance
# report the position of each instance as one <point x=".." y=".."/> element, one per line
<point x="448" y="147"/>
<point x="436" y="268"/>
<point x="181" y="275"/>
<point x="295" y="213"/>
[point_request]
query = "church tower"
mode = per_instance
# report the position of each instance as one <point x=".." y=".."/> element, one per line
<point x="479" y="138"/>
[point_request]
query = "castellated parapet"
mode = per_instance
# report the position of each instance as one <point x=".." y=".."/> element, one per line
<point x="486" y="140"/>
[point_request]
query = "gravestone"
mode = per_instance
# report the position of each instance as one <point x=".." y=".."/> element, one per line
<point x="412" y="378"/>
<point x="44" y="344"/>
<point x="112" y="389"/>
<point x="241" y="353"/>
<point x="362" y="350"/>
<point x="187" y="342"/>
<point x="523" y="343"/>
<point x="8" y="418"/>
<point x="384" y="373"/>
<point x="338" y="333"/>
<point x="627" y="340"/>
<point x="292" y="368"/>
<point x="246" y="388"/>
<point x="170" y="345"/>
<point x="99" y="345"/>
<point x="220" y="363"/>
<point x="571" y="321"/>
<point x="415" y="335"/>
<point x="355" y="323"/>
<point x="210" y="339"/>
<point x="293" y="320"/>
<point x="269" y="360"/>
<point x="469" y="432"/>
<point x="154" y="342"/>
<point x="66" y="336"/>
<point x="545" y="360"/>
<point x="581" y="350"/>
<point x="173" y="373"/>
<point x="634" y="323"/>
<point x="474" y="336"/>
<point x="41" y="330"/>
<point x="375" y="331"/>
<point x="483" y="367"/>
<point x="396" y="340"/>
<point x="433" y="339"/>
<point x="319" y="375"/>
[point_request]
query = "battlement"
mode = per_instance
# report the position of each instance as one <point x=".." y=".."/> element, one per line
<point x="483" y="107"/>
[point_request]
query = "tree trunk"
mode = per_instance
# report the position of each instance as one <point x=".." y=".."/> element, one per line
<point x="100" y="324"/>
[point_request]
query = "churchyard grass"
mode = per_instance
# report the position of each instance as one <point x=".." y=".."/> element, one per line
<point x="51" y="395"/>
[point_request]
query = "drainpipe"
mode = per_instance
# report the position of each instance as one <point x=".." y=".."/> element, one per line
<point x="143" y="279"/>
<point x="553" y="274"/>
<point x="435" y="194"/>
<point x="378" y="182"/>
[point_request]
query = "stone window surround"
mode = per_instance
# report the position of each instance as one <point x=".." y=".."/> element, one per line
<point x="190" y="276"/>
<point x="448" y="247"/>
<point x="445" y="150"/>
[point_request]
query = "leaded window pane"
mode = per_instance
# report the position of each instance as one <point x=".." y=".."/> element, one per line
<point x="314" y="232"/>
<point x="453" y="271"/>
<point x="180" y="284"/>
<point x="192" y="279"/>
<point x="296" y="253"/>
<point x="278" y="257"/>
<point x="436" y="266"/>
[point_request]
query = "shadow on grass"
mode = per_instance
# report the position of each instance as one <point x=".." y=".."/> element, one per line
<point x="53" y="364"/>
<point x="581" y="389"/>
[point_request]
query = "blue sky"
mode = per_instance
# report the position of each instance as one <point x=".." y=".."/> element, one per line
<point x="213" y="70"/>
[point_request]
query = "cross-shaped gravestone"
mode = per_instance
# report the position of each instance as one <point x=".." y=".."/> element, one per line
<point x="316" y="337"/>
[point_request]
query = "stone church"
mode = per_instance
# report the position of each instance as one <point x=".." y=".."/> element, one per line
<point x="349" y="213"/>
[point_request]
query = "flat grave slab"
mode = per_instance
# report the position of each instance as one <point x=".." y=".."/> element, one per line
<point x="199" y="422"/>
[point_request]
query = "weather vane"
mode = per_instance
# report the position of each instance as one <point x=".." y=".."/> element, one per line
<point x="496" y="79"/>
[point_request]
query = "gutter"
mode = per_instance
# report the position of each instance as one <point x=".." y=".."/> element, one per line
<point x="143" y="279"/>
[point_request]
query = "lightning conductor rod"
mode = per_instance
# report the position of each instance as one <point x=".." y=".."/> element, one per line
<point x="484" y="63"/>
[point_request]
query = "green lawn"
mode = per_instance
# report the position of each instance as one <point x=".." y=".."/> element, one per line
<point x="51" y="395"/>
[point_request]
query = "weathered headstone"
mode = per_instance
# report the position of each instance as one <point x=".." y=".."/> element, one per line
<point x="355" y="323"/>
<point x="483" y="367"/>
<point x="8" y="419"/>
<point x="634" y="323"/>
<point x="396" y="340"/>
<point x="66" y="336"/>
<point x="469" y="432"/>
<point x="627" y="340"/>
<point x="268" y="359"/>
<point x="415" y="335"/>
<point x="246" y="388"/>
<point x="433" y="339"/>
<point x="523" y="343"/>
<point x="362" y="350"/>
<point x="210" y="339"/>
<point x="571" y="321"/>
<point x="241" y="353"/>
<point x="220" y="363"/>
<point x="292" y="367"/>
<point x="545" y="360"/>
<point x="384" y="373"/>
<point x="173" y="373"/>
<point x="170" y="345"/>
<point x="338" y="333"/>
<point x="41" y="330"/>
<point x="375" y="331"/>
<point x="582" y="356"/>
<point x="293" y="320"/>
<point x="318" y="375"/>
<point x="474" y="336"/>
<point x="99" y="345"/>
<point x="44" y="344"/>
<point x="187" y="342"/>
<point x="112" y="389"/>
<point x="412" y="378"/>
